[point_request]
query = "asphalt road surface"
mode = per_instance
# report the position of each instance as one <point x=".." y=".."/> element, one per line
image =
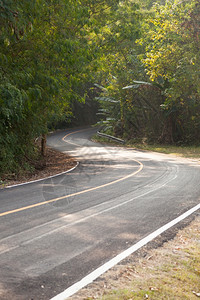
<point x="56" y="231"/>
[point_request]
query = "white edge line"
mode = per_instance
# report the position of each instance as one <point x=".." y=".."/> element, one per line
<point x="65" y="172"/>
<point x="33" y="181"/>
<point x="111" y="263"/>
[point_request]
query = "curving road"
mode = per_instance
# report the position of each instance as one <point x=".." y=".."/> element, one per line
<point x="56" y="231"/>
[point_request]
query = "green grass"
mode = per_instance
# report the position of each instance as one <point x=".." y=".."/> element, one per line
<point x="103" y="140"/>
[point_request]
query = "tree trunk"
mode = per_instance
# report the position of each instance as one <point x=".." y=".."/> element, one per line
<point x="43" y="144"/>
<point x="167" y="133"/>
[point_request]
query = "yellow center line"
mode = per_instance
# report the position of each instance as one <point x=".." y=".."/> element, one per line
<point x="63" y="139"/>
<point x="74" y="194"/>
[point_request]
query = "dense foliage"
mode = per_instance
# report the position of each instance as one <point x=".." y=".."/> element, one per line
<point x="155" y="92"/>
<point x="60" y="60"/>
<point x="46" y="54"/>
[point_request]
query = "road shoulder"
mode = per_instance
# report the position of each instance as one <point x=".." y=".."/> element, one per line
<point x="167" y="268"/>
<point x="55" y="163"/>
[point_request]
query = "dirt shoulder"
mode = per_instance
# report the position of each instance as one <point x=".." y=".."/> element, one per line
<point x="54" y="163"/>
<point x="170" y="271"/>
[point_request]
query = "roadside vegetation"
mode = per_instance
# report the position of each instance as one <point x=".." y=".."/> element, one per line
<point x="130" y="65"/>
<point x="181" y="151"/>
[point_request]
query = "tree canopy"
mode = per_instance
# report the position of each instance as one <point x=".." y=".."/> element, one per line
<point x="137" y="61"/>
<point x="160" y="97"/>
<point x="46" y="57"/>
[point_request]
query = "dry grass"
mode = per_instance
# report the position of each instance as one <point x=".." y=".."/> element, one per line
<point x="183" y="151"/>
<point x="170" y="272"/>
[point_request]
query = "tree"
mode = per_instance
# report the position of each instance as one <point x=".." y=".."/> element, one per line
<point x="118" y="63"/>
<point x="47" y="55"/>
<point x="154" y="79"/>
<point x="172" y="56"/>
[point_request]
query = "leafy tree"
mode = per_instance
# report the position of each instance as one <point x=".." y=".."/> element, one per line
<point x="172" y="57"/>
<point x="154" y="80"/>
<point x="47" y="53"/>
<point x="119" y="63"/>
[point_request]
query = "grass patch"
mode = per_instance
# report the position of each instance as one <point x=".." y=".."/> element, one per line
<point x="103" y="140"/>
<point x="182" y="151"/>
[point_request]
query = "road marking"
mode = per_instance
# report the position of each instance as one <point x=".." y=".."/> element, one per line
<point x="74" y="194"/>
<point x="63" y="139"/>
<point x="83" y="219"/>
<point x="114" y="261"/>
<point x="41" y="179"/>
